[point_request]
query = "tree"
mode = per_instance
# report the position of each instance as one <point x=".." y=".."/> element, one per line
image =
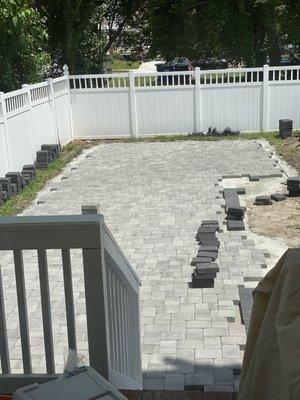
<point x="82" y="31"/>
<point x="23" y="38"/>
<point x="250" y="29"/>
<point x="67" y="20"/>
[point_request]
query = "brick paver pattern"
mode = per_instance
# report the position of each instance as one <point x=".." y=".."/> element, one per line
<point x="154" y="197"/>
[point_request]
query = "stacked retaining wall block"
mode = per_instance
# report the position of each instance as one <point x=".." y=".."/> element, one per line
<point x="53" y="150"/>
<point x="29" y="170"/>
<point x="206" y="267"/>
<point x="293" y="186"/>
<point x="16" y="181"/>
<point x="42" y="159"/>
<point x="6" y="186"/>
<point x="234" y="211"/>
<point x="285" y="128"/>
<point x="47" y="154"/>
<point x="1" y="196"/>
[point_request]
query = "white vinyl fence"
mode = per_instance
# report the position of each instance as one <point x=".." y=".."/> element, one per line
<point x="137" y="104"/>
<point x="31" y="116"/>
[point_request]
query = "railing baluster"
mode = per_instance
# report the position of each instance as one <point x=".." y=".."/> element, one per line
<point x="111" y="318"/>
<point x="4" y="353"/>
<point x="22" y="307"/>
<point x="127" y="330"/>
<point x="115" y="317"/>
<point x="123" y="311"/>
<point x="95" y="294"/>
<point x="119" y="324"/>
<point x="69" y="298"/>
<point x="46" y="310"/>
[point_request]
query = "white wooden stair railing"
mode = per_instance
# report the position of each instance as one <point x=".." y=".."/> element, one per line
<point x="111" y="290"/>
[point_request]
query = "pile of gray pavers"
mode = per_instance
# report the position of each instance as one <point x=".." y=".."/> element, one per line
<point x="293" y="186"/>
<point x="206" y="267"/>
<point x="48" y="153"/>
<point x="234" y="211"/>
<point x="14" y="182"/>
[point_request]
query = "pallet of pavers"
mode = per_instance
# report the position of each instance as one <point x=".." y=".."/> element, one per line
<point x="206" y="267"/>
<point x="234" y="211"/>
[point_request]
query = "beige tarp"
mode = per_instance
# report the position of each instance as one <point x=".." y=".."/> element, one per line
<point x="271" y="366"/>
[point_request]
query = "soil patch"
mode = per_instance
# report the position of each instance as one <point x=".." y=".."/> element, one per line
<point x="281" y="220"/>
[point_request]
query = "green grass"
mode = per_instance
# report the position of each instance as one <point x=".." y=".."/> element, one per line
<point x="272" y="137"/>
<point x="17" y="203"/>
<point x="123" y="65"/>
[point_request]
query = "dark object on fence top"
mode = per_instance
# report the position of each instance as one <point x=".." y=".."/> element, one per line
<point x="211" y="63"/>
<point x="177" y="64"/>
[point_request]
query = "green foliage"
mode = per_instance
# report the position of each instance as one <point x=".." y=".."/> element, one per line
<point x="67" y="21"/>
<point x="249" y="29"/>
<point x="23" y="37"/>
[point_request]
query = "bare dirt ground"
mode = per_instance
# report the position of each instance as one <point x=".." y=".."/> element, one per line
<point x="280" y="219"/>
<point x="289" y="149"/>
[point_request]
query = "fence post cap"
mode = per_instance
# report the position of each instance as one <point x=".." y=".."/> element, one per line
<point x="25" y="85"/>
<point x="66" y="69"/>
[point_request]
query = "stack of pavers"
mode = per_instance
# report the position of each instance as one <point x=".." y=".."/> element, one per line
<point x="293" y="186"/>
<point x="285" y="128"/>
<point x="53" y="150"/>
<point x="42" y="159"/>
<point x="17" y="182"/>
<point x="1" y="196"/>
<point x="206" y="269"/>
<point x="29" y="172"/>
<point x="48" y="153"/>
<point x="234" y="211"/>
<point x="6" y="186"/>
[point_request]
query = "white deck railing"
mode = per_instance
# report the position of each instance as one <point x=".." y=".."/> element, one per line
<point x="111" y="298"/>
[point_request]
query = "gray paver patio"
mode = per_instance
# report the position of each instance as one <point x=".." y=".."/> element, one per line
<point x="154" y="197"/>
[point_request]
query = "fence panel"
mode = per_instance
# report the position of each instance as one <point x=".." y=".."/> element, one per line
<point x="165" y="111"/>
<point x="101" y="113"/>
<point x="62" y="109"/>
<point x="238" y="107"/>
<point x="20" y="139"/>
<point x="113" y="105"/>
<point x="4" y="165"/>
<point x="42" y="115"/>
<point x="284" y="100"/>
